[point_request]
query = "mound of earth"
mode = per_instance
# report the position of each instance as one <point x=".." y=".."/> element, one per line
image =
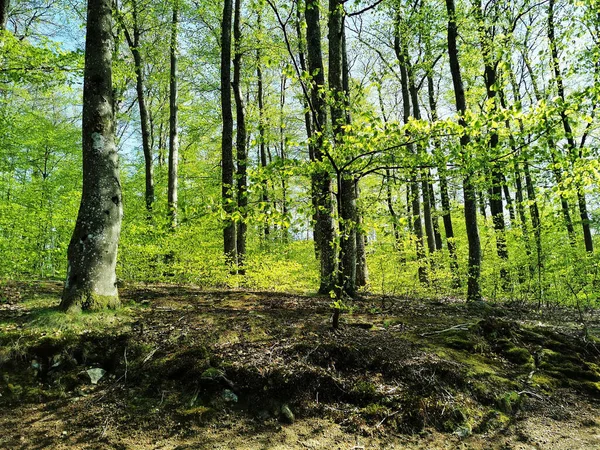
<point x="180" y="367"/>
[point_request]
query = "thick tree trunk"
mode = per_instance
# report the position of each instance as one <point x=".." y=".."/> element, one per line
<point x="92" y="255"/>
<point x="240" y="139"/>
<point x="173" y="135"/>
<point x="470" y="197"/>
<point x="134" y="45"/>
<point x="572" y="147"/>
<point x="321" y="179"/>
<point x="227" y="187"/>
<point x="339" y="117"/>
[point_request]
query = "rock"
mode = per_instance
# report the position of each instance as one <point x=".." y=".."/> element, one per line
<point x="96" y="374"/>
<point x="287" y="414"/>
<point x="229" y="396"/>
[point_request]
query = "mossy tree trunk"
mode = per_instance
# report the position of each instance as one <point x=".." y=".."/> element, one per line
<point x="91" y="282"/>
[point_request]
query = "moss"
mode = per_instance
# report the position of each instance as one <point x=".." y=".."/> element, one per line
<point x="212" y="373"/>
<point x="519" y="355"/>
<point x="197" y="412"/>
<point x="510" y="402"/>
<point x="375" y="410"/>
<point x="364" y="390"/>
<point x="544" y="382"/>
<point x="90" y="301"/>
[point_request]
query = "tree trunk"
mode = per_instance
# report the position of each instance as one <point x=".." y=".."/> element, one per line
<point x="572" y="147"/>
<point x="91" y="282"/>
<point x="227" y="187"/>
<point x="134" y="45"/>
<point x="321" y="179"/>
<point x="470" y="197"/>
<point x="444" y="197"/>
<point x="339" y="117"/>
<point x="240" y="139"/>
<point x="173" y="135"/>
<point x="4" y="5"/>
<point x="401" y="51"/>
<point x="555" y="170"/>
<point x="309" y="130"/>
<point x="362" y="271"/>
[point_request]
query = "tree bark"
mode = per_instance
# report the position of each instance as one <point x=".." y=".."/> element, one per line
<point x="321" y="178"/>
<point x="173" y="134"/>
<point x="4" y="6"/>
<point x="134" y="45"/>
<point x="240" y="139"/>
<point x="401" y="51"/>
<point x="444" y="197"/>
<point x="227" y="187"/>
<point x="339" y="117"/>
<point x="91" y="282"/>
<point x="572" y="147"/>
<point x="470" y="200"/>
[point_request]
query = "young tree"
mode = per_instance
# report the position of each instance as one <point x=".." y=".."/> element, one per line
<point x="227" y="166"/>
<point x="135" y="43"/>
<point x="470" y="200"/>
<point x="92" y="255"/>
<point x="240" y="137"/>
<point x="173" y="133"/>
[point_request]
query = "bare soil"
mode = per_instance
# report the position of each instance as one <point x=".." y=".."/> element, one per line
<point x="188" y="368"/>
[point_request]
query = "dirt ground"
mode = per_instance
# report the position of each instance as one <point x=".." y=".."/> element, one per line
<point x="185" y="368"/>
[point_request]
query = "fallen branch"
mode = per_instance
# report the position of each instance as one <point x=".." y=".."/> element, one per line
<point x="460" y="327"/>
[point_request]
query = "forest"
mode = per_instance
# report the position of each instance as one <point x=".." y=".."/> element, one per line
<point x="300" y="224"/>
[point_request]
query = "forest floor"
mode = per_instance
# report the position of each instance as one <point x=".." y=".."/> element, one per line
<point x="185" y="368"/>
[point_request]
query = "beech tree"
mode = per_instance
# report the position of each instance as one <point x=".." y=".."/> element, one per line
<point x="92" y="255"/>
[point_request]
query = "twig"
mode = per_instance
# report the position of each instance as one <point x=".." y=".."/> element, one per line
<point x="461" y="327"/>
<point x="532" y="394"/>
<point x="387" y="417"/>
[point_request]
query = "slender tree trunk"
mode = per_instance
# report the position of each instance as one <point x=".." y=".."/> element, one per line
<point x="414" y="97"/>
<point x="362" y="271"/>
<point x="173" y="135"/>
<point x="309" y="130"/>
<point x="134" y="45"/>
<point x="508" y="198"/>
<point x="552" y="147"/>
<point x="92" y="255"/>
<point x="227" y="187"/>
<point x="444" y="197"/>
<point x="282" y="146"/>
<point x="474" y="269"/>
<point x="321" y="178"/>
<point x="240" y="139"/>
<point x="401" y="51"/>
<point x="262" y="153"/>
<point x="4" y="6"/>
<point x="572" y="147"/>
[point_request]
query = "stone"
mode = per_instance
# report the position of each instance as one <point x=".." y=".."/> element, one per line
<point x="95" y="374"/>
